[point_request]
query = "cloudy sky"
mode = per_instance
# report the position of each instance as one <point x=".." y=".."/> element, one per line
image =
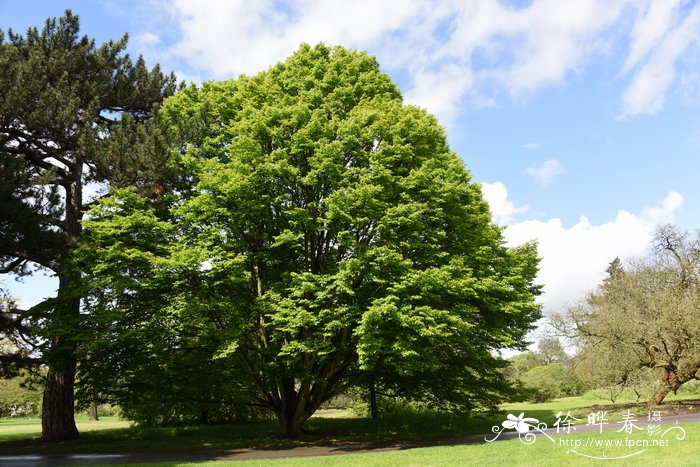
<point x="580" y="119"/>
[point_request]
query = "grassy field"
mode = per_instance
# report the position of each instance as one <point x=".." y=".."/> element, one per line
<point x="19" y="436"/>
<point x="513" y="452"/>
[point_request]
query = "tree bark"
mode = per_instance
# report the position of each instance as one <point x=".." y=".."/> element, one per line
<point x="671" y="382"/>
<point x="374" y="411"/>
<point x="58" y="409"/>
<point x="92" y="411"/>
<point x="58" y="406"/>
<point x="661" y="394"/>
<point x="294" y="408"/>
<point x="57" y="415"/>
<point x="291" y="424"/>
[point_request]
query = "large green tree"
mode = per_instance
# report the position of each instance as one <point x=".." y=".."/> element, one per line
<point x="331" y="239"/>
<point x="71" y="114"/>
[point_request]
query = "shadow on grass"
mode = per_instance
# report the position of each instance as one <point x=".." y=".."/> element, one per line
<point x="136" y="438"/>
<point x="399" y="426"/>
<point x="403" y="426"/>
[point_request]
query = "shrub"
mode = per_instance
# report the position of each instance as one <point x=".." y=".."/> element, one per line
<point x="18" y="398"/>
<point x="546" y="382"/>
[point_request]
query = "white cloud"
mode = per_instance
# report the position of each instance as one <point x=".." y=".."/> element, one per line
<point x="452" y="52"/>
<point x="652" y="23"/>
<point x="532" y="146"/>
<point x="548" y="171"/>
<point x="247" y="36"/>
<point x="502" y="208"/>
<point x="547" y="40"/>
<point x="146" y="39"/>
<point x="574" y="258"/>
<point x="664" y="214"/>
<point x="438" y="92"/>
<point x="440" y="44"/>
<point x="646" y="93"/>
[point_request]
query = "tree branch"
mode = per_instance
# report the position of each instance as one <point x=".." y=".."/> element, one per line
<point x="37" y="159"/>
<point x="25" y="256"/>
<point x="12" y="266"/>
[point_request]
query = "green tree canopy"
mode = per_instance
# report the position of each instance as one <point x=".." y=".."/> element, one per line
<point x="71" y="113"/>
<point x="331" y="237"/>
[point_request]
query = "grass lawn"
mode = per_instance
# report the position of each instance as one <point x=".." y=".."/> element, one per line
<point x="542" y="453"/>
<point x="18" y="436"/>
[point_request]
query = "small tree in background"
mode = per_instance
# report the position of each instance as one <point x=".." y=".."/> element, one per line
<point x="641" y="325"/>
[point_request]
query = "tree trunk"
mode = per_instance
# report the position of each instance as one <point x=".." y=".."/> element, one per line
<point x="661" y="394"/>
<point x="373" y="401"/>
<point x="92" y="411"/>
<point x="57" y="414"/>
<point x="671" y="381"/>
<point x="57" y="419"/>
<point x="294" y="408"/>
<point x="291" y="424"/>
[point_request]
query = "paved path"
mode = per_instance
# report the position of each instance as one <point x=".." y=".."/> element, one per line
<point x="27" y="460"/>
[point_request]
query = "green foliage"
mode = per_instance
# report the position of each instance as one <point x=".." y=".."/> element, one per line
<point x="19" y="398"/>
<point x="545" y="373"/>
<point x="332" y="238"/>
<point x="68" y="116"/>
<point x="545" y="381"/>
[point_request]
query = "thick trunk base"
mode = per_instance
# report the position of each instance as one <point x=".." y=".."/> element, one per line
<point x="57" y="415"/>
<point x="92" y="411"/>
<point x="291" y="427"/>
<point x="660" y="395"/>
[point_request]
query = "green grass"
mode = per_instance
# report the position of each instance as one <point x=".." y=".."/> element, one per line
<point x="581" y="406"/>
<point x="111" y="435"/>
<point x="115" y="436"/>
<point x="14" y="430"/>
<point x="513" y="452"/>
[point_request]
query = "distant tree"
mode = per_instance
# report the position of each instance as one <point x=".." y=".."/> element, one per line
<point x="614" y="271"/>
<point x="332" y="239"/>
<point x="642" y="323"/>
<point x="550" y="350"/>
<point x="545" y="373"/>
<point x="71" y="114"/>
<point x="543" y="382"/>
<point x="18" y="398"/>
<point x="522" y="362"/>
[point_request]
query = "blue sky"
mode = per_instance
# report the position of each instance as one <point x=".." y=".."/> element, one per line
<point x="580" y="118"/>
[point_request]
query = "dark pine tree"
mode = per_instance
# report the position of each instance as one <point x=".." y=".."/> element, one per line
<point x="71" y="114"/>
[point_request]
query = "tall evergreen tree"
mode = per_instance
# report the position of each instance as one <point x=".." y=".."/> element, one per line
<point x="71" y="115"/>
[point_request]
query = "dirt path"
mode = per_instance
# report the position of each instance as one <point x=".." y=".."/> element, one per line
<point x="272" y="452"/>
